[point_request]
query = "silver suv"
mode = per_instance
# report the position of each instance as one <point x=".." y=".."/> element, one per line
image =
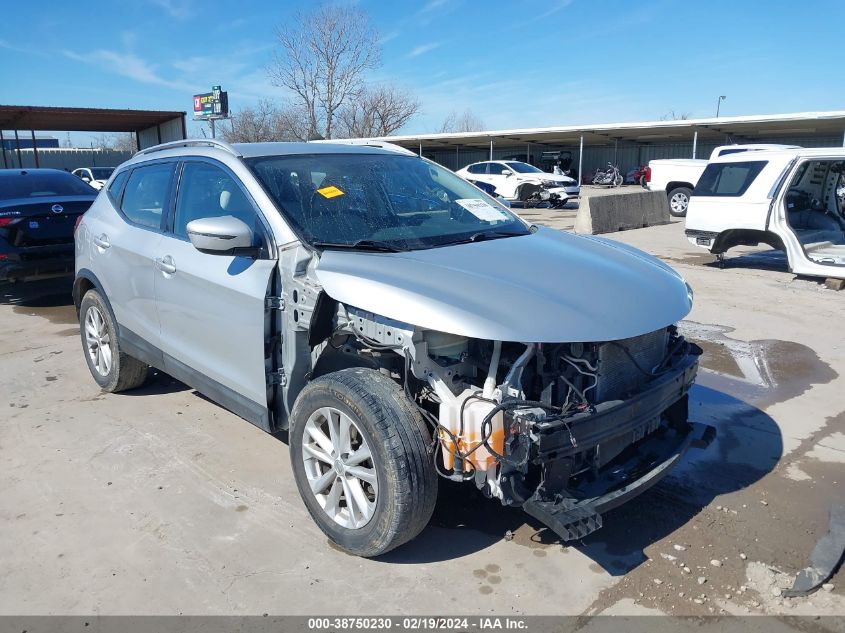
<point x="394" y="323"/>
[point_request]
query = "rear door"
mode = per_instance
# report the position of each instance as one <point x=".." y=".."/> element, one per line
<point x="212" y="307"/>
<point x="124" y="247"/>
<point x="730" y="195"/>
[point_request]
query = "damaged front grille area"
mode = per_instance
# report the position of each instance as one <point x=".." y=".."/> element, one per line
<point x="586" y="458"/>
<point x="624" y="367"/>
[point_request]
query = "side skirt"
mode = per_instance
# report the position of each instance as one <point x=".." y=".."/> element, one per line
<point x="250" y="411"/>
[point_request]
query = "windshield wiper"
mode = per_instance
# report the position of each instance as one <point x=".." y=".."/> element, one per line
<point x="363" y="245"/>
<point x="487" y="235"/>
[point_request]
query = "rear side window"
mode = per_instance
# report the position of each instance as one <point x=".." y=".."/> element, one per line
<point x="480" y="168"/>
<point x="116" y="186"/>
<point x="728" y="179"/>
<point x="145" y="194"/>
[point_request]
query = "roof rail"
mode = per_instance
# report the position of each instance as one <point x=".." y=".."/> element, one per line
<point x="192" y="142"/>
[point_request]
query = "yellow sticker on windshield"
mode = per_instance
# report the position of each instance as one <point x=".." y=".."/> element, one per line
<point x="330" y="192"/>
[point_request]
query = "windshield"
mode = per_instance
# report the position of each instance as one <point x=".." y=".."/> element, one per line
<point x="102" y="173"/>
<point x="524" y="168"/>
<point x="401" y="201"/>
<point x="35" y="185"/>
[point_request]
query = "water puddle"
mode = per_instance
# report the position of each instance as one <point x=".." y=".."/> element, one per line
<point x="760" y="372"/>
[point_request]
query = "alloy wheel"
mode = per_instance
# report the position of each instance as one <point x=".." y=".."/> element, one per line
<point x="339" y="467"/>
<point x="679" y="203"/>
<point x="98" y="341"/>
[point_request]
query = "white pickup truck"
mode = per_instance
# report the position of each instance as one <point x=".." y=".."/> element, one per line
<point x="678" y="176"/>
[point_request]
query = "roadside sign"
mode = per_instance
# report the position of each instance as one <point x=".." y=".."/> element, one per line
<point x="214" y="104"/>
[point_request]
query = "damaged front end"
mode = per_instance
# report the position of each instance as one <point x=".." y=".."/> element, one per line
<point x="567" y="431"/>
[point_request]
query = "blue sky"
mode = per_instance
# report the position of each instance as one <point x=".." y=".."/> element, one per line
<point x="515" y="64"/>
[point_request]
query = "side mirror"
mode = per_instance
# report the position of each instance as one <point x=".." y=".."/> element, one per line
<point x="507" y="172"/>
<point x="225" y="235"/>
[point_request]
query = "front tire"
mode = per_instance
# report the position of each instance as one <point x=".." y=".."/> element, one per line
<point x="679" y="201"/>
<point x="111" y="368"/>
<point x="359" y="451"/>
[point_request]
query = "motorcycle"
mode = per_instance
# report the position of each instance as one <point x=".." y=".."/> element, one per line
<point x="611" y="176"/>
<point x="636" y="176"/>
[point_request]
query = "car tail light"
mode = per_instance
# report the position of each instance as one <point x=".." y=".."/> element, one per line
<point x="648" y="174"/>
<point x="76" y="224"/>
<point x="6" y="221"/>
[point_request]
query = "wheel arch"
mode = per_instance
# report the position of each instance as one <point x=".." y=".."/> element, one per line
<point x="676" y="184"/>
<point x="745" y="237"/>
<point x="86" y="280"/>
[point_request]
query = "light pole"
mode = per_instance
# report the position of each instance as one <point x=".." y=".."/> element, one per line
<point x="719" y="103"/>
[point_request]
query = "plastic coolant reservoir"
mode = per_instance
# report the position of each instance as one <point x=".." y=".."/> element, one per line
<point x="474" y="413"/>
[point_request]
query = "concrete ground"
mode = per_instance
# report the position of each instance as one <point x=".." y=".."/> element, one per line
<point x="160" y="502"/>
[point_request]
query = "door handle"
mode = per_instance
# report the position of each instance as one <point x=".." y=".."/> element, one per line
<point x="165" y="264"/>
<point x="102" y="241"/>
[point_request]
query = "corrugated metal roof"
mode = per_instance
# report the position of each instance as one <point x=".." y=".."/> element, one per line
<point x="81" y="119"/>
<point x="832" y="122"/>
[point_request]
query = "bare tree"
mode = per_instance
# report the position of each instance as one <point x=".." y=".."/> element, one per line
<point x="252" y="125"/>
<point x="322" y="58"/>
<point x="266" y="122"/>
<point x="118" y="142"/>
<point x="675" y="116"/>
<point x="378" y="111"/>
<point x="467" y="121"/>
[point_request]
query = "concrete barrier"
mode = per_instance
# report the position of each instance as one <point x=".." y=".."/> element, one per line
<point x="621" y="211"/>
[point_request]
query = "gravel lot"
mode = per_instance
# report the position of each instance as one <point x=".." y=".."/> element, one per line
<point x="158" y="501"/>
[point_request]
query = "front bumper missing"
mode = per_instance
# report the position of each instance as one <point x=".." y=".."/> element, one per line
<point x="573" y="506"/>
<point x="573" y="518"/>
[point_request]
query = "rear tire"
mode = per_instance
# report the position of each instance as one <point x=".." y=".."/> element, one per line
<point x="111" y="368"/>
<point x="679" y="201"/>
<point x="337" y="419"/>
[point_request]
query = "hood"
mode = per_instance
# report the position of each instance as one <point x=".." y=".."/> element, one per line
<point x="547" y="287"/>
<point x="564" y="181"/>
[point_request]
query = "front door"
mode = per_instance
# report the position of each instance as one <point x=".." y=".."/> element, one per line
<point x="505" y="185"/>
<point x="212" y="307"/>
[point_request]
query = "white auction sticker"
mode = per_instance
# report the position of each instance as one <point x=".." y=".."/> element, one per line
<point x="482" y="210"/>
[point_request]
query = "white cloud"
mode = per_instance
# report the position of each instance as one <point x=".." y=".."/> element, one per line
<point x="388" y="36"/>
<point x="127" y="65"/>
<point x="179" y="9"/>
<point x="424" y="48"/>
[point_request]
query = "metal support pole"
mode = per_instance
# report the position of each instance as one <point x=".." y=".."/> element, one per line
<point x="3" y="147"/>
<point x="491" y="148"/>
<point x="18" y="143"/>
<point x="581" y="161"/>
<point x="213" y="131"/>
<point x="694" y="143"/>
<point x="616" y="153"/>
<point x="35" y="149"/>
<point x="843" y="141"/>
<point x="420" y="148"/>
<point x="528" y="153"/>
<point x="457" y="159"/>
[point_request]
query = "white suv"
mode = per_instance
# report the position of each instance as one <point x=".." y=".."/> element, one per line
<point x="788" y="199"/>
<point x="393" y="322"/>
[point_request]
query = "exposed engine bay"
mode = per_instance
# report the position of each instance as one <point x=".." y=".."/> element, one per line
<point x="564" y="430"/>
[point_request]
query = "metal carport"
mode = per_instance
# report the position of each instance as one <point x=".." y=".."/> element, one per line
<point x="643" y="141"/>
<point x="149" y="126"/>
